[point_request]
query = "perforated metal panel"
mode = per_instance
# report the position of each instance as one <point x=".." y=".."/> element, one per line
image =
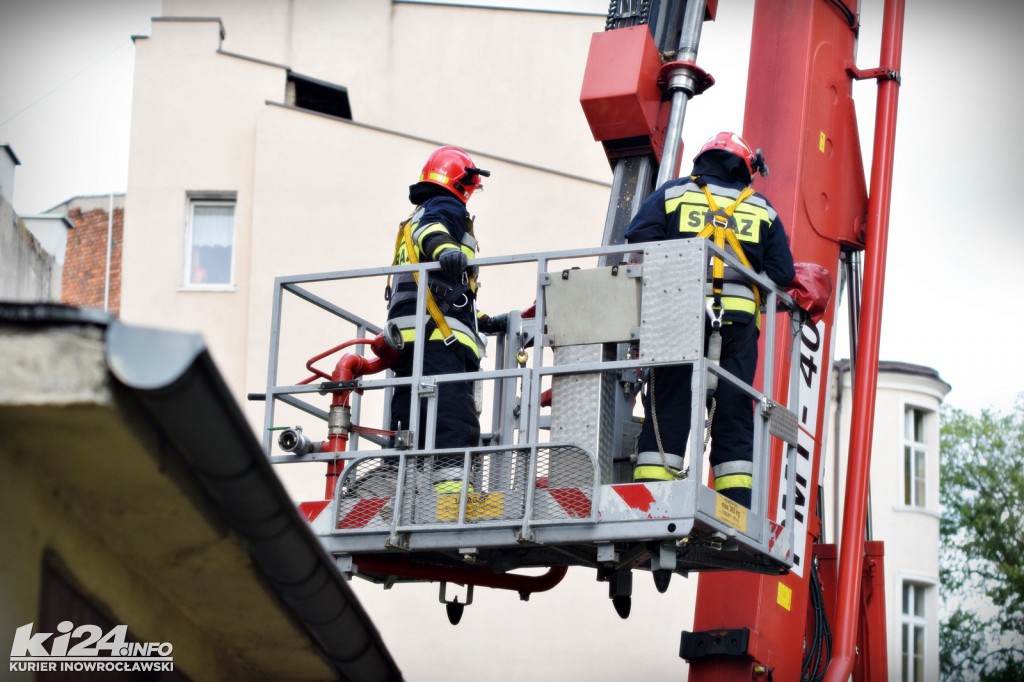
<point x="672" y="301"/>
<point x="782" y="422"/>
<point x="583" y="405"/>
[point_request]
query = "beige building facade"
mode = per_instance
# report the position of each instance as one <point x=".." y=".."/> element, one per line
<point x="238" y="176"/>
<point x="212" y="128"/>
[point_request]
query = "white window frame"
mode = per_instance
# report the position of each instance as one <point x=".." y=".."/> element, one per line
<point x="912" y="668"/>
<point x="914" y="451"/>
<point x="195" y="200"/>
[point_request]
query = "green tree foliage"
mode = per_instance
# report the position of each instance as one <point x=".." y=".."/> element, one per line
<point x="982" y="560"/>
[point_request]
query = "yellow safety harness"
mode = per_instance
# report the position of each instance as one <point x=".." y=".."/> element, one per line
<point x="405" y="236"/>
<point x="717" y="229"/>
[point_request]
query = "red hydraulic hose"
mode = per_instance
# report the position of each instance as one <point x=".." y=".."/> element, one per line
<point x="866" y="381"/>
<point x="484" y="577"/>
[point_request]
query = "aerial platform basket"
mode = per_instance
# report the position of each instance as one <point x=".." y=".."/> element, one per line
<point x="550" y="484"/>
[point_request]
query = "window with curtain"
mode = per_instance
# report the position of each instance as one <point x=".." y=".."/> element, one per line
<point x="209" y="257"/>
<point x="913" y="632"/>
<point x="915" y="456"/>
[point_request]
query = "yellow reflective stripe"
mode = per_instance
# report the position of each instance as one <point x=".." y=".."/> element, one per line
<point x="449" y="487"/>
<point x="734" y="481"/>
<point x="470" y="253"/>
<point x="697" y="199"/>
<point x="693" y="206"/>
<point x="742" y="305"/>
<point x="441" y="249"/>
<point x="672" y="204"/>
<point x="409" y="335"/>
<point x="443" y="179"/>
<point x="421" y="233"/>
<point x="747" y="192"/>
<point x="654" y="472"/>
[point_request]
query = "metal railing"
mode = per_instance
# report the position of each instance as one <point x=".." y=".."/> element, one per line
<point x="549" y="475"/>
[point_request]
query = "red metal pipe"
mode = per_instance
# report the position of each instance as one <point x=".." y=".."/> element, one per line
<point x="349" y="366"/>
<point x="866" y="382"/>
<point x="357" y="365"/>
<point x="484" y="577"/>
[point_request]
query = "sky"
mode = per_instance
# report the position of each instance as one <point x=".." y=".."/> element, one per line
<point x="955" y="241"/>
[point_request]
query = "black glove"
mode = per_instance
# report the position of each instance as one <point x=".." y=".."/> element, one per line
<point x="453" y="262"/>
<point x="493" y="325"/>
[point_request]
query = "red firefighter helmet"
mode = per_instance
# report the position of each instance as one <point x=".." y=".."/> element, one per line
<point x="734" y="144"/>
<point x="453" y="169"/>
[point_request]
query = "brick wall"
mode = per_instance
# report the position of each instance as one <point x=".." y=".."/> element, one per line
<point x="85" y="261"/>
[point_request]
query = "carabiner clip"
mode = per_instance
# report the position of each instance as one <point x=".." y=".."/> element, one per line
<point x="714" y="314"/>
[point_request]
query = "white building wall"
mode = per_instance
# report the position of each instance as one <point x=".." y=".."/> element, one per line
<point x="499" y="81"/>
<point x="197" y="115"/>
<point x="194" y="124"/>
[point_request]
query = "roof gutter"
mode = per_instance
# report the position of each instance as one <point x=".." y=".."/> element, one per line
<point x="172" y="377"/>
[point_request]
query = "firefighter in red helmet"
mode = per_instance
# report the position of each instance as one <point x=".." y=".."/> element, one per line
<point x="441" y="229"/>
<point x="719" y="186"/>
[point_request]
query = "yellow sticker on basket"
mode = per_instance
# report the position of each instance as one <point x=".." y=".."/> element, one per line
<point x="731" y="513"/>
<point x="821" y="141"/>
<point x="478" y="506"/>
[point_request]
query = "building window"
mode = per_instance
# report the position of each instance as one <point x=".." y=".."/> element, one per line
<point x="915" y="452"/>
<point x="914" y="623"/>
<point x="210" y="244"/>
<point x="316" y="95"/>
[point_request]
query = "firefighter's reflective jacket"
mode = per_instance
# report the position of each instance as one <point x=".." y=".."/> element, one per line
<point x="438" y="224"/>
<point x="678" y="210"/>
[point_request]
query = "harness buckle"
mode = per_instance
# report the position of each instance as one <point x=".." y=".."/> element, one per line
<point x="451" y="339"/>
<point x="717" y="218"/>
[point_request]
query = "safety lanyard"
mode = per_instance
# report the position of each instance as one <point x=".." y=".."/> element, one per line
<point x="717" y="229"/>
